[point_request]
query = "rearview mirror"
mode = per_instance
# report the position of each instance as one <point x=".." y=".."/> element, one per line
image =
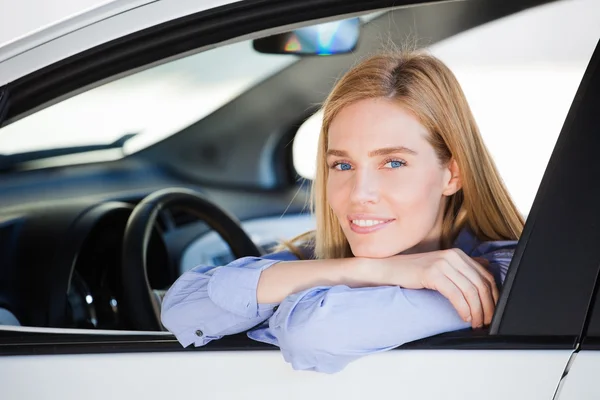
<point x="338" y="37"/>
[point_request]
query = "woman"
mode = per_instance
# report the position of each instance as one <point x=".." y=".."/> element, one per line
<point x="415" y="230"/>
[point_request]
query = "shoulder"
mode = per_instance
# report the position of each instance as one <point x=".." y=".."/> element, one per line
<point x="499" y="253"/>
<point x="500" y="249"/>
<point x="494" y="251"/>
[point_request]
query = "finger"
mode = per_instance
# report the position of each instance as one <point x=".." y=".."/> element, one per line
<point x="470" y="293"/>
<point x="472" y="271"/>
<point x="449" y="290"/>
<point x="485" y="274"/>
<point x="482" y="265"/>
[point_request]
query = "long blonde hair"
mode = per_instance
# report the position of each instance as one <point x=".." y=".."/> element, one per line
<point x="425" y="86"/>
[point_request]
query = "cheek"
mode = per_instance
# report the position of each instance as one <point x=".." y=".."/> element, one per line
<point x="335" y="192"/>
<point x="415" y="190"/>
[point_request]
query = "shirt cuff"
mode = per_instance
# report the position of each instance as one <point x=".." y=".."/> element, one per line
<point x="187" y="337"/>
<point x="233" y="287"/>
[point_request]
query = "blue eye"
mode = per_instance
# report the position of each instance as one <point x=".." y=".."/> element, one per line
<point x="342" y="166"/>
<point x="394" y="164"/>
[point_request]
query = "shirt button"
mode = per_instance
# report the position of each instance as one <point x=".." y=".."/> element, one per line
<point x="199" y="333"/>
<point x="275" y="308"/>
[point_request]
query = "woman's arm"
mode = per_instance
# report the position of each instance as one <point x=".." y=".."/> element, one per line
<point x="468" y="285"/>
<point x="207" y="303"/>
<point x="286" y="278"/>
<point x="323" y="329"/>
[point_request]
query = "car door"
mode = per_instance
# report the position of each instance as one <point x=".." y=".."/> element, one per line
<point x="535" y="332"/>
<point x="581" y="381"/>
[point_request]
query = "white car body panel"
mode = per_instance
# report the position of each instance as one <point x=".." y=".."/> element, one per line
<point x="64" y="19"/>
<point x="92" y="29"/>
<point x="582" y="381"/>
<point x="403" y="374"/>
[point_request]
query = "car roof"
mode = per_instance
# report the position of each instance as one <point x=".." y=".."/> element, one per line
<point x="20" y="23"/>
<point x="23" y="50"/>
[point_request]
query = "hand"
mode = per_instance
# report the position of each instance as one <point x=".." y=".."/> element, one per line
<point x="468" y="285"/>
<point x="464" y="281"/>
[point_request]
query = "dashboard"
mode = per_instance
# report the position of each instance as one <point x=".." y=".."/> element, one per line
<point x="62" y="261"/>
<point x="267" y="233"/>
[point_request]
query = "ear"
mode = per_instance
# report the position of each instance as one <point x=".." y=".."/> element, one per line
<point x="454" y="179"/>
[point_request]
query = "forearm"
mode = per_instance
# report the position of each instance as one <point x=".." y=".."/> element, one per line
<point x="286" y="278"/>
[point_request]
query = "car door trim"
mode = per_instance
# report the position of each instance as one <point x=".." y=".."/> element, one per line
<point x="556" y="260"/>
<point x="13" y="343"/>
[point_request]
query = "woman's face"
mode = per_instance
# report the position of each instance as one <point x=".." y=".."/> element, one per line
<point x="386" y="185"/>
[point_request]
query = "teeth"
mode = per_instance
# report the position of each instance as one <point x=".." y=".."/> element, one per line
<point x="366" y="222"/>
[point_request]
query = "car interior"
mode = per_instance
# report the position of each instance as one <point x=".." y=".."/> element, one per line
<point x="108" y="195"/>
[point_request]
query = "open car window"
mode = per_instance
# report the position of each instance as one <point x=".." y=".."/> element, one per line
<point x="520" y="96"/>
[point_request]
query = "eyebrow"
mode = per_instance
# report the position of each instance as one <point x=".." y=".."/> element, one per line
<point x="379" y="152"/>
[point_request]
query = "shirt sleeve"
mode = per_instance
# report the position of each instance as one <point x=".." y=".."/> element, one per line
<point x="207" y="303"/>
<point x="325" y="328"/>
<point x="499" y="254"/>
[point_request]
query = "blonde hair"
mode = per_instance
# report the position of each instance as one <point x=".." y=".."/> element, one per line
<point x="424" y="85"/>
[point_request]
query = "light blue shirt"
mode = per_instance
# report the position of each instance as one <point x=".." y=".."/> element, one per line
<point x="320" y="329"/>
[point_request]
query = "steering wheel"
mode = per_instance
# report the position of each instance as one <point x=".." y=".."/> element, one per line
<point x="140" y="302"/>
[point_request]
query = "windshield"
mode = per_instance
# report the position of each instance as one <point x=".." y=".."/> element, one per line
<point x="152" y="104"/>
<point x="134" y="112"/>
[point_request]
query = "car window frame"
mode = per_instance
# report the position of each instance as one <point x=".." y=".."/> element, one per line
<point x="511" y="328"/>
<point x="591" y="339"/>
<point x="553" y="233"/>
<point x="591" y="328"/>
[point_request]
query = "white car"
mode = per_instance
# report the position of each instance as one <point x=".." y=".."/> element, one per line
<point x="134" y="134"/>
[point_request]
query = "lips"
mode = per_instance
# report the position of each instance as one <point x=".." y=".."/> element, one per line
<point x="363" y="224"/>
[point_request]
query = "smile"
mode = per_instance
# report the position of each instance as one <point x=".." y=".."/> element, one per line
<point x="368" y="225"/>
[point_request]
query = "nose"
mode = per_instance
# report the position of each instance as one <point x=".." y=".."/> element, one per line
<point x="365" y="188"/>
